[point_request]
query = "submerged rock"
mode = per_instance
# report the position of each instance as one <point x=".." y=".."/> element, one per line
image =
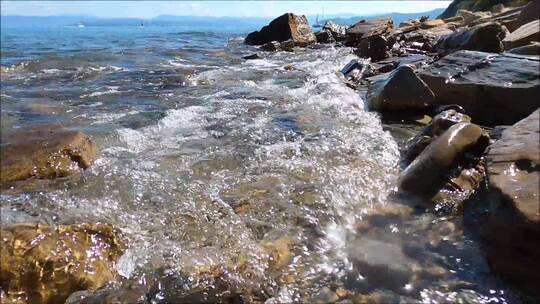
<point x="45" y="264"/>
<point x="44" y="152"/>
<point x="492" y="88"/>
<point x="484" y="37"/>
<point x="365" y="29"/>
<point x="402" y="90"/>
<point x="431" y="23"/>
<point x="524" y="35"/>
<point x="284" y="27"/>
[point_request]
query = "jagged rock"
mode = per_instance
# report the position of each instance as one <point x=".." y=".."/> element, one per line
<point x="374" y="47"/>
<point x="530" y="49"/>
<point x="252" y="56"/>
<point x="484" y="37"/>
<point x="529" y="13"/>
<point x="287" y="45"/>
<point x="45" y="264"/>
<point x="284" y="27"/>
<point x="494" y="89"/>
<point x="524" y="35"/>
<point x="497" y="8"/>
<point x="402" y="90"/>
<point x="431" y="23"/>
<point x="271" y="46"/>
<point x="514" y="192"/>
<point x="337" y="31"/>
<point x="324" y="36"/>
<point x="365" y="29"/>
<point x="45" y="151"/>
<point x="429" y="172"/>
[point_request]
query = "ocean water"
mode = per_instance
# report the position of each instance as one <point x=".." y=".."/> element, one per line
<point x="268" y="174"/>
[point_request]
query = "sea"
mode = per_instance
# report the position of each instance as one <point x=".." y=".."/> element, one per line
<point x="270" y="170"/>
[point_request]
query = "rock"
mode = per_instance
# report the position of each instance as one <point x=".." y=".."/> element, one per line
<point x="469" y="16"/>
<point x="271" y="46"/>
<point x="45" y="151"/>
<point x="374" y="47"/>
<point x="524" y="35"/>
<point x="287" y="46"/>
<point x="497" y="8"/>
<point x="485" y="37"/>
<point x="284" y="27"/>
<point x="252" y="56"/>
<point x="431" y="23"/>
<point x="353" y="73"/>
<point x="324" y="37"/>
<point x="513" y="165"/>
<point x="427" y="174"/>
<point x="45" y="264"/>
<point x="406" y="24"/>
<point x="455" y="19"/>
<point x="337" y="31"/>
<point x="494" y="89"/>
<point x="279" y="252"/>
<point x="530" y="49"/>
<point x="366" y="29"/>
<point x="325" y="295"/>
<point x="402" y="90"/>
<point x="529" y="13"/>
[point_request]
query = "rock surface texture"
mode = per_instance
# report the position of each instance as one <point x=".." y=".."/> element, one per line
<point x="484" y="37"/>
<point x="365" y="29"/>
<point x="493" y="88"/>
<point x="44" y="152"/>
<point x="44" y="264"/>
<point x="284" y="27"/>
<point x="524" y="35"/>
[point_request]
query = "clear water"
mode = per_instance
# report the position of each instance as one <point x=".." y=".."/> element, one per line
<point x="209" y="163"/>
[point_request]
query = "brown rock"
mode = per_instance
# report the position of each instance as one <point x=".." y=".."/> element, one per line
<point x="431" y="23"/>
<point x="492" y="88"/>
<point x="44" y="264"/>
<point x="484" y="37"/>
<point x="402" y="90"/>
<point x="530" y="49"/>
<point x="324" y="37"/>
<point x="44" y="152"/>
<point x="524" y="35"/>
<point x="469" y="16"/>
<point x="374" y="47"/>
<point x="457" y="19"/>
<point x="529" y="13"/>
<point x="365" y="29"/>
<point x="284" y="27"/>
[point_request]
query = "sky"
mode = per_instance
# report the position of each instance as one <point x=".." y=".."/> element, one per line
<point x="150" y="9"/>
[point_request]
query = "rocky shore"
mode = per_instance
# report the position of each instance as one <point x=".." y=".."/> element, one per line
<point x="470" y="81"/>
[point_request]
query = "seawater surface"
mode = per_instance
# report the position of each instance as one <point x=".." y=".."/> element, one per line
<point x="264" y="178"/>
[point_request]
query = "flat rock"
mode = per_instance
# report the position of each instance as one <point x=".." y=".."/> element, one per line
<point x="524" y="35"/>
<point x="530" y="49"/>
<point x="484" y="37"/>
<point x="494" y="89"/>
<point x="402" y="90"/>
<point x="365" y="29"/>
<point x="45" y="264"/>
<point x="529" y="13"/>
<point x="44" y="152"/>
<point x="431" y="23"/>
<point x="285" y="27"/>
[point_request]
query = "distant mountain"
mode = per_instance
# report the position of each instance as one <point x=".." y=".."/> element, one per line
<point x="396" y="17"/>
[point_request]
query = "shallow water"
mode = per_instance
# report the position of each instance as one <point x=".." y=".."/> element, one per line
<point x="266" y="177"/>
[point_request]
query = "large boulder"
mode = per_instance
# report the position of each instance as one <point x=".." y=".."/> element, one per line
<point x="365" y="29"/>
<point x="402" y="90"/>
<point x="513" y="230"/>
<point x="484" y="37"/>
<point x="493" y="88"/>
<point x="374" y="47"/>
<point x="45" y="264"/>
<point x="284" y="27"/>
<point x="524" y="35"/>
<point x="44" y="152"/>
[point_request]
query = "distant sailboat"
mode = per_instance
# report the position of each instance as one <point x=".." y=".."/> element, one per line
<point x="318" y="23"/>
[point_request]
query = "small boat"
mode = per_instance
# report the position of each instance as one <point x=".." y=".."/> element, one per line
<point x="80" y="24"/>
<point x="317" y="24"/>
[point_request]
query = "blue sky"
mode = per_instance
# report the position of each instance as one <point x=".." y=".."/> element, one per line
<point x="149" y="9"/>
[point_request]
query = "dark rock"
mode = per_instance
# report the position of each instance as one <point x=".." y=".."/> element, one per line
<point x="45" y="151"/>
<point x="284" y="27"/>
<point x="353" y="73"/>
<point x="457" y="19"/>
<point x="324" y="37"/>
<point x="45" y="264"/>
<point x="497" y="8"/>
<point x="524" y="35"/>
<point x="374" y="47"/>
<point x="349" y="67"/>
<point x="493" y="88"/>
<point x="529" y="13"/>
<point x="287" y="45"/>
<point x="530" y="49"/>
<point x="252" y="56"/>
<point x="366" y="29"/>
<point x="485" y="37"/>
<point x="271" y="46"/>
<point x="402" y="90"/>
<point x="337" y="31"/>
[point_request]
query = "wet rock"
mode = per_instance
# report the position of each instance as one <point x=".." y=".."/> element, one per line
<point x="337" y="31"/>
<point x="428" y="173"/>
<point x="431" y="23"/>
<point x="324" y="37"/>
<point x="365" y="29"/>
<point x="279" y="251"/>
<point x="524" y="35"/>
<point x="493" y="88"/>
<point x="402" y="90"/>
<point x="287" y="46"/>
<point x="252" y="56"/>
<point x="271" y="46"/>
<point x="374" y="47"/>
<point x="284" y="27"/>
<point x="530" y="49"/>
<point x="514" y="192"/>
<point x="353" y="72"/>
<point x="325" y="295"/>
<point x="485" y="37"/>
<point x="44" y="152"/>
<point x="45" y="264"/>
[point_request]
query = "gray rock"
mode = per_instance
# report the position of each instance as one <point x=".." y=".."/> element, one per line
<point x="374" y="47"/>
<point x="530" y="49"/>
<point x="524" y="35"/>
<point x="271" y="46"/>
<point x="484" y="37"/>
